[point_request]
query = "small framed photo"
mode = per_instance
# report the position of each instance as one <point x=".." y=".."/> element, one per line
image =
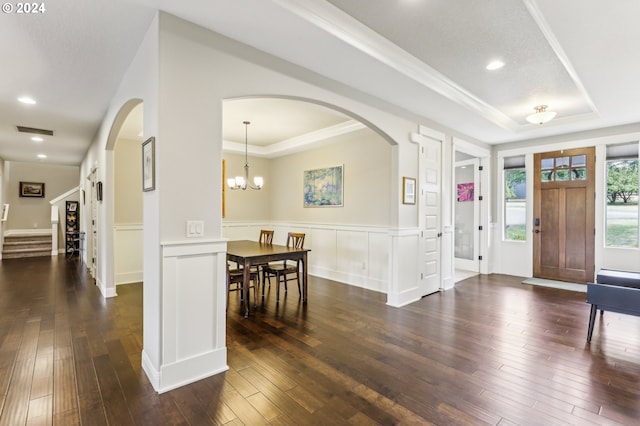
<point x="408" y="190"/>
<point x="73" y="206"/>
<point x="148" y="164"/>
<point x="32" y="189"/>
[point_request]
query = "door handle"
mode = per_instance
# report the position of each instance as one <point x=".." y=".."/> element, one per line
<point x="537" y="231"/>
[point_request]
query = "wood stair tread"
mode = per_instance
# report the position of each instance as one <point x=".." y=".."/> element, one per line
<point x="27" y="245"/>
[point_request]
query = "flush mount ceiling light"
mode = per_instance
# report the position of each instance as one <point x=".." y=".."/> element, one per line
<point x="42" y="156"/>
<point x="26" y="100"/>
<point x="37" y="139"/>
<point x="495" y="65"/>
<point x="541" y="115"/>
<point x="242" y="182"/>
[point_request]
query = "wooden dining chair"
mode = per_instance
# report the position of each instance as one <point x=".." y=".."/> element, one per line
<point x="282" y="271"/>
<point x="266" y="236"/>
<point x="235" y="280"/>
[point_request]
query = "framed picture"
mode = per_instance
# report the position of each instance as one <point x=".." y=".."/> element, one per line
<point x="149" y="164"/>
<point x="323" y="187"/>
<point x="408" y="190"/>
<point x="32" y="189"/>
<point x="5" y="212"/>
<point x="465" y="192"/>
<point x="73" y="207"/>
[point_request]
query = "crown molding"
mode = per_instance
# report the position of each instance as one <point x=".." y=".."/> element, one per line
<point x="296" y="144"/>
<point x="344" y="27"/>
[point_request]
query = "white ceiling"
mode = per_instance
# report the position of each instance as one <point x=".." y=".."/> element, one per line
<point x="424" y="56"/>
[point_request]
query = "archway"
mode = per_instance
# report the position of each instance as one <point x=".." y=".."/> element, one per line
<point x="127" y="123"/>
<point x="303" y="134"/>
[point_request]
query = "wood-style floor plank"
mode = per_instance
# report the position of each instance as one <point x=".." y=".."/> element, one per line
<point x="490" y="352"/>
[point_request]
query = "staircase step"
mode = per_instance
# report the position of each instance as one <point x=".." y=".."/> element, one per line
<point x="26" y="245"/>
<point x="20" y="238"/>
<point x="31" y="252"/>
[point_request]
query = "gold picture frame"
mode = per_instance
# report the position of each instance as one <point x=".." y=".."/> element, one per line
<point x="408" y="190"/>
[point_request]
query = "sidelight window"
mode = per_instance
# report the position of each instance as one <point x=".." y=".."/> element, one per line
<point x="515" y="199"/>
<point x="622" y="196"/>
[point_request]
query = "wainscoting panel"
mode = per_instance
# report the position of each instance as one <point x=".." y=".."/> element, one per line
<point x="404" y="287"/>
<point x="128" y="253"/>
<point x="194" y="316"/>
<point x="354" y="255"/>
<point x="322" y="260"/>
<point x="378" y="265"/>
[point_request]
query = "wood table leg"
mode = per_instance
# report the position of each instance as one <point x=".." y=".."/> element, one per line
<point x="304" y="277"/>
<point x="246" y="275"/>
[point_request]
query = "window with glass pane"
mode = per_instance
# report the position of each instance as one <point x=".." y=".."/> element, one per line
<point x="515" y="199"/>
<point x="622" y="196"/>
<point x="547" y="167"/>
<point x="579" y="167"/>
<point x="562" y="169"/>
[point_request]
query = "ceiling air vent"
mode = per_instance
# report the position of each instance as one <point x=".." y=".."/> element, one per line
<point x="34" y="130"/>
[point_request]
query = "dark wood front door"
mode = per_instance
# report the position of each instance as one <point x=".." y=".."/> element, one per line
<point x="564" y="215"/>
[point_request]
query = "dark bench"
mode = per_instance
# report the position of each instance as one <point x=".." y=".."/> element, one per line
<point x="614" y="291"/>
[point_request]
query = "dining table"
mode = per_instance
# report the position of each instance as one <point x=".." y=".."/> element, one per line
<point x="248" y="253"/>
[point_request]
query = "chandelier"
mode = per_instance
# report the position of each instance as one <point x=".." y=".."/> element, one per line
<point x="242" y="182"/>
<point x="541" y="115"/>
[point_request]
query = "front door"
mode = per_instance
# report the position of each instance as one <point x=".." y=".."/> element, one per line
<point x="564" y="215"/>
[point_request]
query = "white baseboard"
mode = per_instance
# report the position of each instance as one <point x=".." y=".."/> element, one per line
<point x="185" y="371"/>
<point x="128" y="277"/>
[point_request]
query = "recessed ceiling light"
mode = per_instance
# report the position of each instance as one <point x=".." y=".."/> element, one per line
<point x="495" y="65"/>
<point x="42" y="156"/>
<point x="37" y="139"/>
<point x="26" y="100"/>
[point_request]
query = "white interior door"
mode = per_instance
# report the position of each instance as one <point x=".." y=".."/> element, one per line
<point x="430" y="214"/>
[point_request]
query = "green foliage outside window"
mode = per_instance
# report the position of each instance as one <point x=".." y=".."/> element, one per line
<point x="622" y="203"/>
<point x="622" y="180"/>
<point x="515" y="204"/>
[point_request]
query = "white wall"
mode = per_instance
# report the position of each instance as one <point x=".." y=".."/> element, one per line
<point x="28" y="213"/>
<point x="3" y="192"/>
<point x="366" y="159"/>
<point x="128" y="182"/>
<point x="127" y="230"/>
<point x="249" y="204"/>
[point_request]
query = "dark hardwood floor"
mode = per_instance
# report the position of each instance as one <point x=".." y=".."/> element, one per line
<point x="491" y="351"/>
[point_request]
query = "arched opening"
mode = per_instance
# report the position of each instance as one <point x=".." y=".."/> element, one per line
<point x="120" y="216"/>
<point x="127" y="200"/>
<point x="288" y="137"/>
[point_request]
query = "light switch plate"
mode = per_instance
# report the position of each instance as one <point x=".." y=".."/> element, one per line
<point x="195" y="229"/>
